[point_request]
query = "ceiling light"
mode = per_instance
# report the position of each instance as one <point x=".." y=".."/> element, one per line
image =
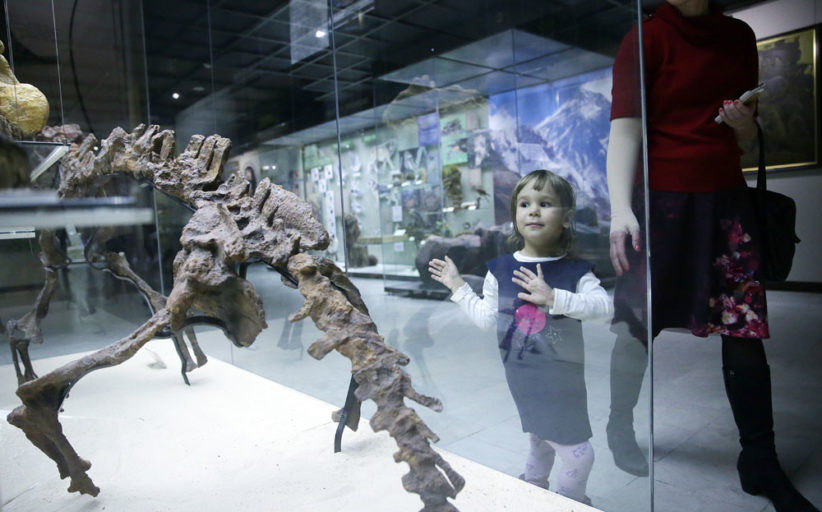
<point x="319" y="34"/>
<point x="175" y="95"/>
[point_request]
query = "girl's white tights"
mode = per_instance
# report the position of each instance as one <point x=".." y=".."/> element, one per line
<point x="577" y="461"/>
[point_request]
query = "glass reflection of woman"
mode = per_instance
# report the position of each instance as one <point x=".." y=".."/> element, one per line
<point x="704" y="247"/>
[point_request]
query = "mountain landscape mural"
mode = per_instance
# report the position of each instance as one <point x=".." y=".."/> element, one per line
<point x="561" y="126"/>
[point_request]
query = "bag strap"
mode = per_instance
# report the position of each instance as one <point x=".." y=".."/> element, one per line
<point x="760" y="179"/>
<point x="761" y="184"/>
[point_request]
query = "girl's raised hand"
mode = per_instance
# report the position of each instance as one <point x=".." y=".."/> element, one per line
<point x="539" y="292"/>
<point x="445" y="272"/>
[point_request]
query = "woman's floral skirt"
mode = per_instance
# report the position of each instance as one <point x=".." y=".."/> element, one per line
<point x="704" y="267"/>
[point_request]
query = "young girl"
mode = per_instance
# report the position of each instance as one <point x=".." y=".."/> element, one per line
<point x="536" y="297"/>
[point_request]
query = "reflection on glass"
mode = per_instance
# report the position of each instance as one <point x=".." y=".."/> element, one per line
<point x="56" y="245"/>
<point x="699" y="224"/>
<point x="421" y="163"/>
<point x="407" y="128"/>
<point x="486" y="113"/>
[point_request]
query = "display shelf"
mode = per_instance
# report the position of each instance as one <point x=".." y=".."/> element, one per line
<point x="33" y="209"/>
<point x="384" y="239"/>
<point x="417" y="289"/>
<point x="418" y="185"/>
<point x="385" y="271"/>
<point x="15" y="232"/>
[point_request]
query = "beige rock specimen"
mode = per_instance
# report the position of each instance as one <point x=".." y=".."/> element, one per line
<point x="22" y="104"/>
<point x="234" y="224"/>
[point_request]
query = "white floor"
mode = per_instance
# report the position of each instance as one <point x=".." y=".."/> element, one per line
<point x="232" y="441"/>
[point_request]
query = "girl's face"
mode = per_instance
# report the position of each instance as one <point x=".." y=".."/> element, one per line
<point x="540" y="220"/>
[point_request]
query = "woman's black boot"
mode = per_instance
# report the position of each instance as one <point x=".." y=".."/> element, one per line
<point x="749" y="392"/>
<point x="628" y="362"/>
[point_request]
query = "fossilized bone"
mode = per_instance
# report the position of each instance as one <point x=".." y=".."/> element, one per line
<point x="232" y="224"/>
<point x="117" y="265"/>
<point x="27" y="330"/>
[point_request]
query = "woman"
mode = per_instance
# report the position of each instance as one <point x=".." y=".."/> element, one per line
<point x="705" y="256"/>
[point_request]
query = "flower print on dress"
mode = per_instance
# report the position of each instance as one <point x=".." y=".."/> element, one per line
<point x="739" y="310"/>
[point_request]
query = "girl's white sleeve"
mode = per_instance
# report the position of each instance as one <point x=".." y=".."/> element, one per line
<point x="481" y="311"/>
<point x="590" y="301"/>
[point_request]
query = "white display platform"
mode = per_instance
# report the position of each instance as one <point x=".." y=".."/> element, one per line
<point x="232" y="441"/>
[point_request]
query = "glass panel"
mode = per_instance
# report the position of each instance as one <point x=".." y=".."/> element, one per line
<point x="180" y="83"/>
<point x="86" y="58"/>
<point x="406" y="126"/>
<point x="421" y="162"/>
<point x="86" y="62"/>
<point x="74" y="250"/>
<point x="463" y="112"/>
<point x="278" y="93"/>
<point x="102" y="65"/>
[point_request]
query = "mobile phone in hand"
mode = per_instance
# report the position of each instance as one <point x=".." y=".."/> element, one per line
<point x="746" y="97"/>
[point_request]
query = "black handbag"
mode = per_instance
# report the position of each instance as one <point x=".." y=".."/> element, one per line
<point x="776" y="219"/>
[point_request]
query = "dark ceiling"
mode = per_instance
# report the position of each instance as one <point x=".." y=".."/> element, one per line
<point x="233" y="60"/>
<point x="249" y="50"/>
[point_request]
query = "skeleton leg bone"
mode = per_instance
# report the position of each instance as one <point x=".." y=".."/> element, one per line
<point x="43" y="397"/>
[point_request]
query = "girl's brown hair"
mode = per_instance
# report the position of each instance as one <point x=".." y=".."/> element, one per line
<point x="567" y="200"/>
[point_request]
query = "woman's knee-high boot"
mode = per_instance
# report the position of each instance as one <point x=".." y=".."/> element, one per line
<point x="749" y="392"/>
<point x="629" y="359"/>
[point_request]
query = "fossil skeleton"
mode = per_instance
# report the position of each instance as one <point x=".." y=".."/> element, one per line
<point x="27" y="329"/>
<point x="232" y="225"/>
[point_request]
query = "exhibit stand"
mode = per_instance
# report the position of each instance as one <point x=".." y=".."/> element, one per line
<point x="230" y="441"/>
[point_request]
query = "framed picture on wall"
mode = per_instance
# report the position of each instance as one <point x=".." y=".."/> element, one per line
<point x="789" y="108"/>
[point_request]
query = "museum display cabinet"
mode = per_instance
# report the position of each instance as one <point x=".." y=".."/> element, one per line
<point x="88" y="308"/>
<point x="398" y="127"/>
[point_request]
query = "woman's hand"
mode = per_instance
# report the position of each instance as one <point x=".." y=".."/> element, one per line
<point x="623" y="224"/>
<point x="740" y="117"/>
<point x="624" y="143"/>
<point x="445" y="272"/>
<point x="539" y="292"/>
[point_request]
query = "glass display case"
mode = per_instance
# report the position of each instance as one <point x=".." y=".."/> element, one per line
<point x="48" y="73"/>
<point x="399" y="132"/>
<point x="403" y="128"/>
